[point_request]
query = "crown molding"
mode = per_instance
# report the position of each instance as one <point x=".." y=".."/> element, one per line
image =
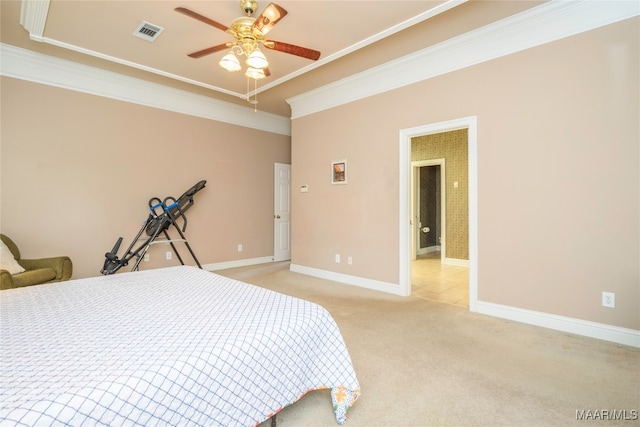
<point x="35" y="67"/>
<point x="546" y="23"/>
<point x="33" y="17"/>
<point x="440" y="8"/>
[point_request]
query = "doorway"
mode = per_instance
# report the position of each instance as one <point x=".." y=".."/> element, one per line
<point x="428" y="207"/>
<point x="432" y="276"/>
<point x="407" y="230"/>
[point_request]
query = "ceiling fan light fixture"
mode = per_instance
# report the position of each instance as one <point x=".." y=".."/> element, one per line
<point x="257" y="60"/>
<point x="255" y="73"/>
<point x="249" y="33"/>
<point x="230" y="63"/>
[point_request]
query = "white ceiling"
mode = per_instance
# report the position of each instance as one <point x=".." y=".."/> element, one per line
<point x="105" y="29"/>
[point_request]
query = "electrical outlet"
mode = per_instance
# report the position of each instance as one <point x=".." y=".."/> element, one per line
<point x="349" y="260"/>
<point x="169" y="255"/>
<point x="337" y="257"/>
<point x="609" y="299"/>
<point x="240" y="247"/>
<point x="146" y="257"/>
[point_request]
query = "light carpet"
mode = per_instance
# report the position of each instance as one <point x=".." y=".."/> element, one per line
<point x="424" y="363"/>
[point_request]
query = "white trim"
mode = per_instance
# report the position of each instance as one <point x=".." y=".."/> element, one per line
<point x="443" y="7"/>
<point x="553" y="20"/>
<point x="625" y="336"/>
<point x="456" y="262"/>
<point x="141" y="67"/>
<point x="428" y="250"/>
<point x="33" y="17"/>
<point x="237" y="263"/>
<point x="35" y="67"/>
<point x="405" y="230"/>
<point x="376" y="285"/>
<point x="630" y="337"/>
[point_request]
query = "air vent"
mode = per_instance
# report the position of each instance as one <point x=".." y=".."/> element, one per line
<point x="148" y="31"/>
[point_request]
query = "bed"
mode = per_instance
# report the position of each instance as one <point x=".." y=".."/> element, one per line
<point x="172" y="346"/>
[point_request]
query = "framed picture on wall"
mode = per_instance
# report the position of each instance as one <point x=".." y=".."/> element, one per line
<point x="339" y="172"/>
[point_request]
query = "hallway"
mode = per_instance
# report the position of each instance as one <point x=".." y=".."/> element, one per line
<point x="443" y="283"/>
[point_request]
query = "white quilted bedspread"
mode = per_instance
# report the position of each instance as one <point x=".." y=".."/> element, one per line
<point x="177" y="346"/>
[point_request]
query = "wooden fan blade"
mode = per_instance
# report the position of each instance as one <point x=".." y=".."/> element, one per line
<point x="209" y="50"/>
<point x="292" y="49"/>
<point x="201" y="18"/>
<point x="268" y="18"/>
<point x="267" y="72"/>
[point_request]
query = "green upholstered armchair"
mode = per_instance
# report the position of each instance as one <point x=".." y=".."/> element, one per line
<point x="37" y="271"/>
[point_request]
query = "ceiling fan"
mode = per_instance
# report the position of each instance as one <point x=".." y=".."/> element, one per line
<point x="249" y="34"/>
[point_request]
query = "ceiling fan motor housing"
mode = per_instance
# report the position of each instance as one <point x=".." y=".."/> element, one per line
<point x="245" y="34"/>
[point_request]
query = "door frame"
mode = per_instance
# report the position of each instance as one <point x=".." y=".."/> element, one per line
<point x="405" y="231"/>
<point x="415" y="204"/>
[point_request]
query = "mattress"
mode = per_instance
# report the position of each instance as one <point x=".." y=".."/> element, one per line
<point x="173" y="346"/>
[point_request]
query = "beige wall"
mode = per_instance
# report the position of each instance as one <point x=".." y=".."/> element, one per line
<point x="558" y="176"/>
<point x="78" y="171"/>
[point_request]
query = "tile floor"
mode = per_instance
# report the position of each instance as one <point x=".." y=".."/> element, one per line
<point x="433" y="281"/>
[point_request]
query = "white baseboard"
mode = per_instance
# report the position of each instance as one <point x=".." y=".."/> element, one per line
<point x="362" y="282"/>
<point x="237" y="263"/>
<point x="630" y="337"/>
<point x="625" y="336"/>
<point x="428" y="250"/>
<point x="457" y="262"/>
<point x="446" y="261"/>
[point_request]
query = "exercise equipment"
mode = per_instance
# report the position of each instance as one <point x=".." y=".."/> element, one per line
<point x="163" y="214"/>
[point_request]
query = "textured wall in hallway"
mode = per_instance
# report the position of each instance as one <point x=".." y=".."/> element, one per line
<point x="453" y="147"/>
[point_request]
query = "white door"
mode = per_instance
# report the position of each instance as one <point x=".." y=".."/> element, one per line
<point x="282" y="213"/>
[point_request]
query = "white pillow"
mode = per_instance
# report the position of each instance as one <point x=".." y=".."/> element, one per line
<point x="7" y="261"/>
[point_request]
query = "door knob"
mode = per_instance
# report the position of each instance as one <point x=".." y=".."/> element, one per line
<point x="277" y="216"/>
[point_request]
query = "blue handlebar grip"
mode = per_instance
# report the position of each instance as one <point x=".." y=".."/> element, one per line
<point x="171" y="206"/>
<point x="153" y="208"/>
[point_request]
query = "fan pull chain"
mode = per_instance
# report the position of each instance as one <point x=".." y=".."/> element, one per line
<point x="255" y="96"/>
